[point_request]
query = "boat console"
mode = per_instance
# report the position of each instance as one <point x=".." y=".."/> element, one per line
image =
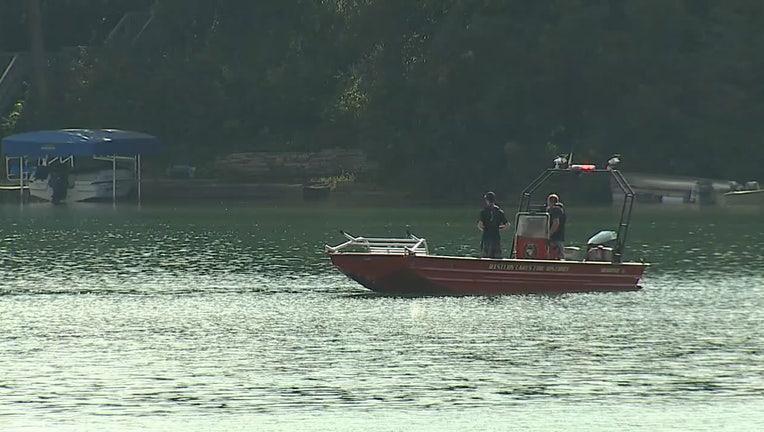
<point x="531" y="234"/>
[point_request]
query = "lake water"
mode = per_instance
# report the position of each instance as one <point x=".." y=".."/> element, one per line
<point x="220" y="319"/>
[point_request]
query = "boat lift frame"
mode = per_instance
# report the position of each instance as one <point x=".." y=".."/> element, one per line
<point x="620" y="180"/>
<point x="65" y="145"/>
<point x="45" y="161"/>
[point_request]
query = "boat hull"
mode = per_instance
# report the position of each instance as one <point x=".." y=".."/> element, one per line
<point x="745" y="198"/>
<point x="88" y="186"/>
<point x="457" y="276"/>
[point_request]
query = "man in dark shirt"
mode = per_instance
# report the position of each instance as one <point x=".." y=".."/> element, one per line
<point x="491" y="221"/>
<point x="557" y="219"/>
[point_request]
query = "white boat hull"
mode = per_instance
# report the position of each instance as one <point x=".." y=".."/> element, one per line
<point x="745" y="198"/>
<point x="93" y="186"/>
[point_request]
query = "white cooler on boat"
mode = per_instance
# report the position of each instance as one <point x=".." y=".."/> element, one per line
<point x="600" y="253"/>
<point x="598" y="248"/>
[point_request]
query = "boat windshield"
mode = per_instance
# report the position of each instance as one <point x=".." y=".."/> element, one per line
<point x="532" y="225"/>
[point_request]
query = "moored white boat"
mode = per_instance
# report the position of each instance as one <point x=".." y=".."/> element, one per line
<point x="87" y="186"/>
<point x="750" y="194"/>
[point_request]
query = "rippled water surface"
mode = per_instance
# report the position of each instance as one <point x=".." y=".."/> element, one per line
<point x="219" y="319"/>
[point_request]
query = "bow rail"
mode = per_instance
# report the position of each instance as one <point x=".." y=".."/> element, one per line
<point x="411" y="245"/>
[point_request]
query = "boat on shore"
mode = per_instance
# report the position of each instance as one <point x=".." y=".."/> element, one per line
<point x="404" y="266"/>
<point x="751" y="194"/>
<point x="687" y="191"/>
<point x="674" y="190"/>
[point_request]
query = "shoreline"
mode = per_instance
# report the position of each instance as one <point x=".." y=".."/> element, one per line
<point x="160" y="190"/>
<point x="212" y="190"/>
<point x="215" y="191"/>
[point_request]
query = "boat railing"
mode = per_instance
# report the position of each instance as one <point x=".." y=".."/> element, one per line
<point x="411" y="245"/>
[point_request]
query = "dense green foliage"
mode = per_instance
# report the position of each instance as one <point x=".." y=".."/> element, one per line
<point x="449" y="96"/>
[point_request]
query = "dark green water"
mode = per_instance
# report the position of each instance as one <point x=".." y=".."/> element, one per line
<point x="224" y="319"/>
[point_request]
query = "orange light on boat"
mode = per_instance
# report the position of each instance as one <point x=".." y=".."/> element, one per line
<point x="583" y="167"/>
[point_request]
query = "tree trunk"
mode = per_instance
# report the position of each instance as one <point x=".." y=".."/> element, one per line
<point x="39" y="86"/>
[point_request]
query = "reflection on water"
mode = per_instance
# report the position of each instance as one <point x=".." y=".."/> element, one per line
<point x="224" y="319"/>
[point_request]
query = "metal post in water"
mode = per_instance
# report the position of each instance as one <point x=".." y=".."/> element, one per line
<point x="21" y="180"/>
<point x="114" y="180"/>
<point x="138" y="175"/>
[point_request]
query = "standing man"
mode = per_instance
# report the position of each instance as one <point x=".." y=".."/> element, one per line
<point x="557" y="219"/>
<point x="491" y="221"/>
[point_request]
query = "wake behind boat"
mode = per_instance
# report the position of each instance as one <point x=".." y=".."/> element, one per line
<point x="405" y="266"/>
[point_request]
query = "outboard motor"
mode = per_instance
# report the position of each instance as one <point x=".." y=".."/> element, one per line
<point x="600" y="246"/>
<point x="59" y="183"/>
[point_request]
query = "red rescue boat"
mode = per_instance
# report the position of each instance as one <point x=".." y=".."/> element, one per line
<point x="404" y="266"/>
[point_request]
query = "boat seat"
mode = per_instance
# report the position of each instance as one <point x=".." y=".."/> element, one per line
<point x="572" y="253"/>
<point x="600" y="253"/>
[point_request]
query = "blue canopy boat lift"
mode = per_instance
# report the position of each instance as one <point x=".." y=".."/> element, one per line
<point x="63" y="146"/>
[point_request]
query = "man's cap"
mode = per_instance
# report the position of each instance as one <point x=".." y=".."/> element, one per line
<point x="490" y="197"/>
